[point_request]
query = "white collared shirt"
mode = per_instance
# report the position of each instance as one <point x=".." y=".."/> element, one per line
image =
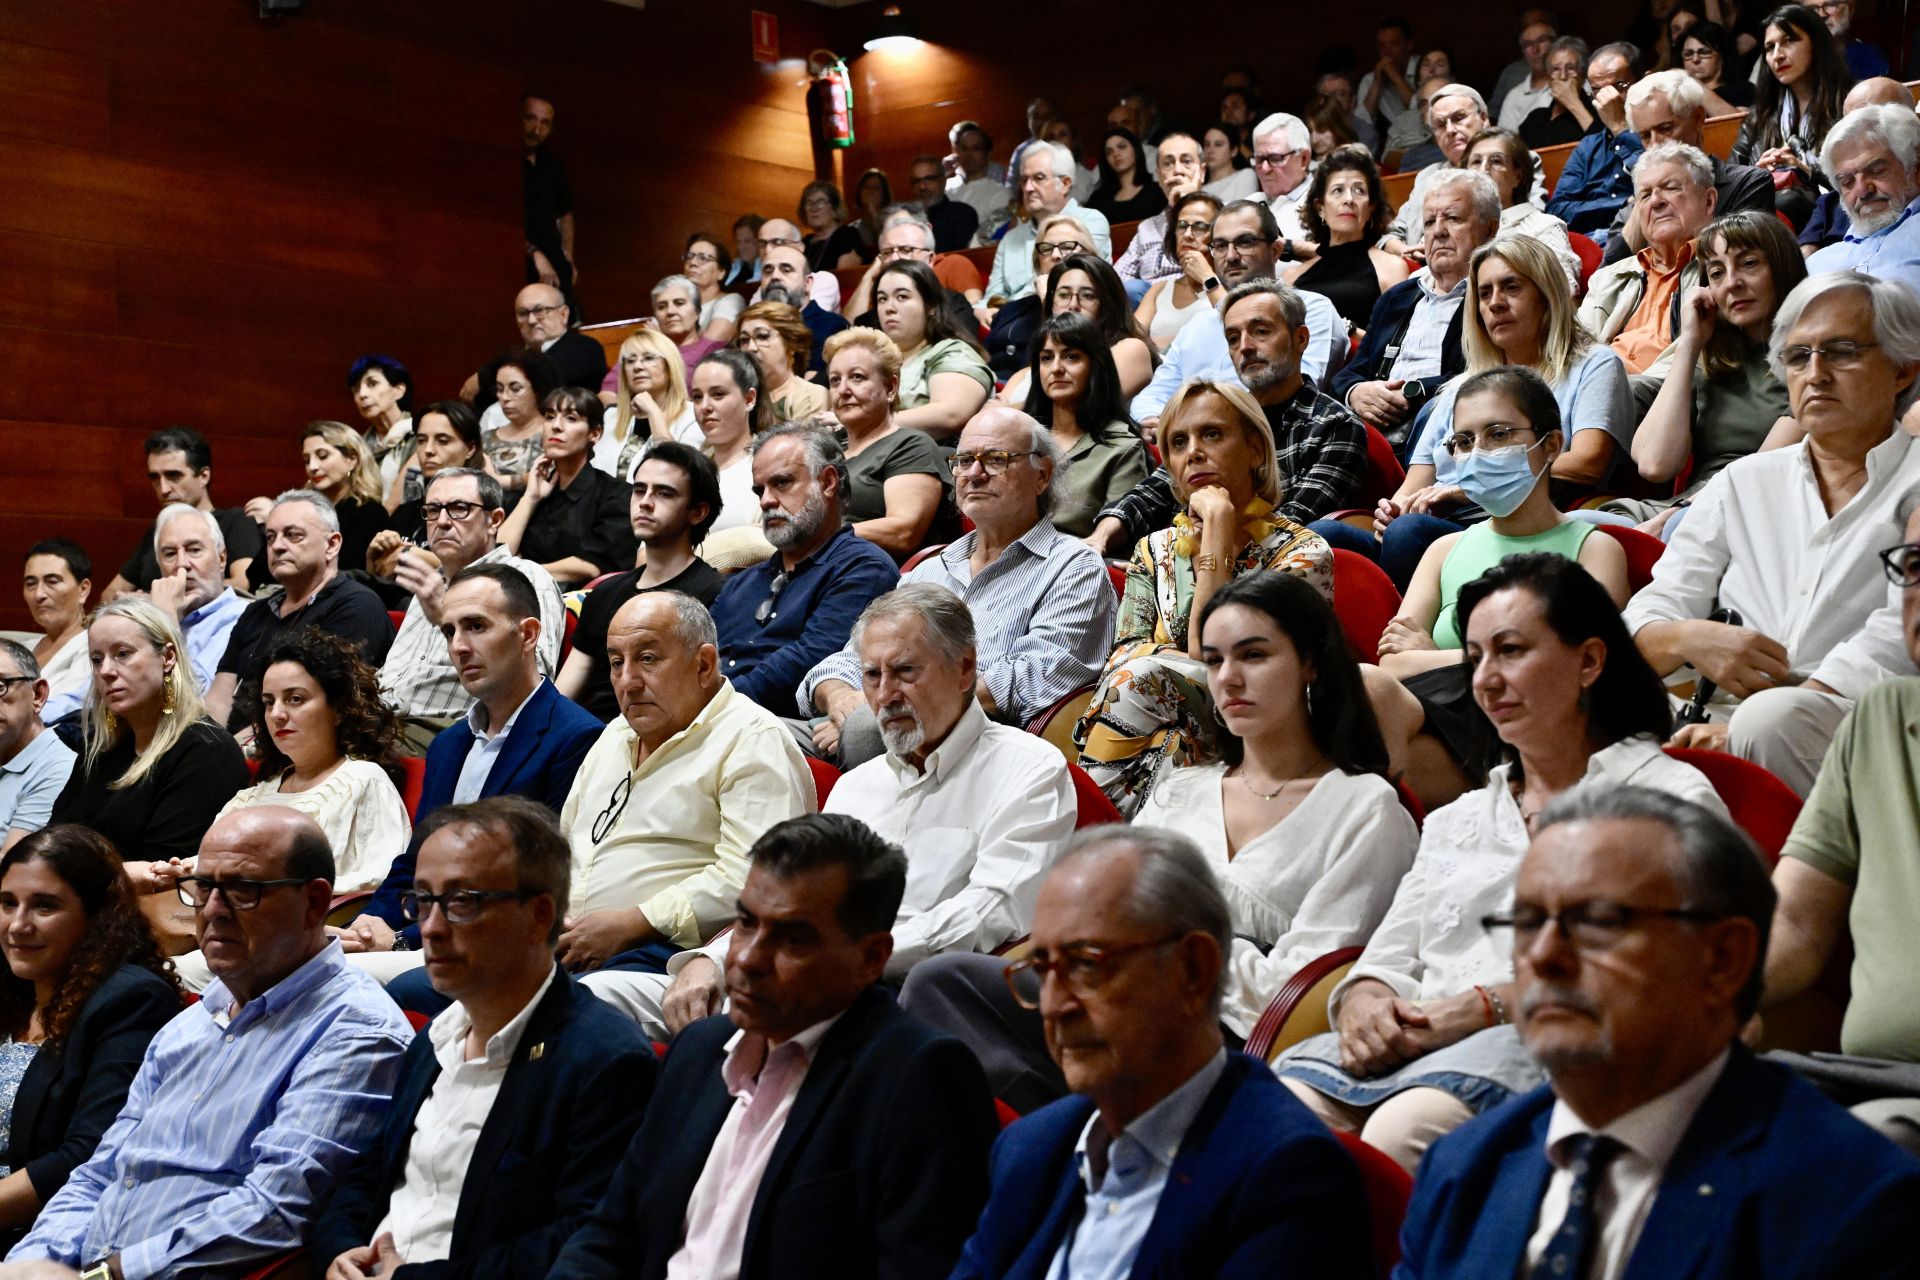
<point x="1287" y="209"/>
<point x="1630" y="1181"/>
<point x="420" y="1215"/>
<point x="486" y="748"/>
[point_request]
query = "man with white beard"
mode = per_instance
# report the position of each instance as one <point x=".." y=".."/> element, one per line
<point x="1874" y="157"/>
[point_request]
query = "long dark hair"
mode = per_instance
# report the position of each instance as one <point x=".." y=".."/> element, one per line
<point x="1102" y="405"/>
<point x="368" y="726"/>
<point x="933" y="298"/>
<point x="117" y="932"/>
<point x="1831" y="80"/>
<point x="1109" y="181"/>
<point x="1339" y="714"/>
<point x="1115" y="320"/>
<point x="1728" y="348"/>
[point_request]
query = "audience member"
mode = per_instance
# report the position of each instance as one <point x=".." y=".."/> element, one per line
<point x="778" y="340"/>
<point x="1537" y="42"/>
<point x="1520" y="70"/>
<point x="303" y="1054"/>
<point x="1422" y="1040"/>
<point x="784" y="278"/>
<point x="1146" y="257"/>
<point x="650" y="403"/>
<point x="1074" y="392"/>
<point x="943" y="378"/>
<point x="1863" y="60"/>
<point x="898" y="493"/>
<point x="777" y="620"/>
<point x="1409" y="145"/>
<point x="1599" y="180"/>
<point x="1338" y="85"/>
<point x="553" y="1081"/>
<point x="1191" y="1159"/>
<point x="512" y="430"/>
<point x="449" y="436"/>
<point x="1282" y="156"/>
<point x="907" y="236"/>
<point x="1633" y="305"/>
<point x="1872" y="157"/>
<point x="830" y="241"/>
<point x="34" y="763"/>
<point x="1503" y="156"/>
<point x="706" y="263"/>
<point x="1458" y="114"/>
<point x="1802" y="80"/>
<point x="340" y="467"/>
<point x="1659" y="1146"/>
<point x="84" y="992"/>
<point x="676" y="313"/>
<point x="546" y="200"/>
<point x="727" y="398"/>
<point x="896" y="1118"/>
<point x="1009" y="339"/>
<point x="1568" y="114"/>
<point x="745" y="270"/>
<point x="1708" y="58"/>
<point x="545" y="320"/>
<point x="180" y="469"/>
<point x="1785" y="539"/>
<point x="1084" y="284"/>
<point x="1384" y="92"/>
<point x="1190" y="290"/>
<point x="1085" y="174"/>
<point x="954" y="222"/>
<point x="1345" y="212"/>
<point x="382" y="391"/>
<point x="193" y="563"/>
<point x="872" y="195"/>
<point x="56" y="582"/>
<point x="976" y="180"/>
<point x="1046" y="189"/>
<point x="1828" y="223"/>
<point x="1229" y="172"/>
<point x="1126" y="191"/>
<point x="572" y="519"/>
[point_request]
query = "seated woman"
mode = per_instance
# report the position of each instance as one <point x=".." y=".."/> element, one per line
<point x="341" y="469"/>
<point x="732" y="410"/>
<point x="1707" y="54"/>
<point x="830" y="242"/>
<point x="382" y="391"/>
<point x="58" y="580"/>
<point x="652" y="398"/>
<point x="1800" y="94"/>
<point x="1076" y="395"/>
<point x="706" y="262"/>
<point x="1169" y="303"/>
<point x="1719" y="399"/>
<point x="85" y="990"/>
<point x="448" y="435"/>
<point x="899" y="491"/>
<point x="944" y="378"/>
<point x="522" y="380"/>
<point x="1570" y="115"/>
<point x="1086" y="284"/>
<point x="1151" y="709"/>
<point x="1424" y="1039"/>
<point x="1508" y="164"/>
<point x="676" y="313"/>
<point x="1229" y="171"/>
<point x="780" y="342"/>
<point x="1328" y="126"/>
<point x="1346" y="212"/>
<point x="572" y="520"/>
<point x="1010" y="334"/>
<point x="1126" y="191"/>
<point x="872" y="195"/>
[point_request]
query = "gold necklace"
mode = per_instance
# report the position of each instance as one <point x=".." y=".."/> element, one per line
<point x="1241" y="777"/>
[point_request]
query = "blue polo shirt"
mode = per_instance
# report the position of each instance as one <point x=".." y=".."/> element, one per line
<point x="32" y="780"/>
<point x="1891" y="253"/>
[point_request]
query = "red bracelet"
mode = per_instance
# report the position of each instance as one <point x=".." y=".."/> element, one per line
<point x="1486" y="1002"/>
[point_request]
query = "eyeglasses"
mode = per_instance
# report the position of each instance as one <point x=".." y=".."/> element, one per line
<point x="1058" y="248"/>
<point x="456" y="511"/>
<point x="1193" y="226"/>
<point x="1591" y="926"/>
<point x="1490" y="439"/>
<point x="616" y="805"/>
<point x="645" y="357"/>
<point x="1699" y="53"/>
<point x="534" y="313"/>
<point x="1085" y="297"/>
<point x="1273" y="159"/>
<point x="1243" y="244"/>
<point x="698" y="259"/>
<point x="774" y="589"/>
<point x="994" y="460"/>
<point x="241" y="895"/>
<point x="1619" y="86"/>
<point x="9" y="683"/>
<point x="1082" y="967"/>
<point x="893" y="251"/>
<point x="1457" y="118"/>
<point x="1902" y="564"/>
<point x="462" y="906"/>
<point x="1835" y="355"/>
<point x="775" y="242"/>
<point x="1827" y="8"/>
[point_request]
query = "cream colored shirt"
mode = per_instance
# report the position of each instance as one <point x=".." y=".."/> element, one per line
<point x="361" y="811"/>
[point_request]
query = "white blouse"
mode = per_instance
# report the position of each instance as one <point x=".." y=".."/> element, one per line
<point x="739" y="505"/>
<point x="727" y="306"/>
<point x="68" y="673"/>
<point x="1320" y="879"/>
<point x="360" y="810"/>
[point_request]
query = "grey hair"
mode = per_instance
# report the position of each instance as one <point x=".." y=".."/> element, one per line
<point x="1720" y="871"/>
<point x="492" y="496"/>
<point x="895" y="215"/>
<point x="675" y="281"/>
<point x="949" y="621"/>
<point x="1682" y="92"/>
<point x="693" y="625"/>
<point x="1293" y="308"/>
<point x="1456" y="90"/>
<point x="1624" y="50"/>
<point x="1563" y="43"/>
<point x="1480" y="189"/>
<point x="1691" y="158"/>
<point x="322" y="507"/>
<point x="173" y="511"/>
<point x="24" y="662"/>
<point x="1063" y="161"/>
<point x="1040" y="441"/>
<point x="1896" y="322"/>
<point x="1298" y="139"/>
<point x="1895" y="128"/>
<point x="1175" y="891"/>
<point x="822" y="450"/>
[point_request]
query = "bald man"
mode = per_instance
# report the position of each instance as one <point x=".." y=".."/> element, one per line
<point x="1829" y="223"/>
<point x="545" y="322"/>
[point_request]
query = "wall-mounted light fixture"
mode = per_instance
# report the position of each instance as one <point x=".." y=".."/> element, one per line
<point x="893" y="32"/>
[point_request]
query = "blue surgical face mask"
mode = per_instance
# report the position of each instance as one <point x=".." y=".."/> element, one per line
<point x="1498" y="480"/>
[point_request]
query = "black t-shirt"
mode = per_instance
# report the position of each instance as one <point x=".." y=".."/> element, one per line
<point x="825" y="255"/>
<point x="343" y="608"/>
<point x="545" y="199"/>
<point x="165" y="813"/>
<point x="699" y="580"/>
<point x="241" y="533"/>
<point x="588" y="519"/>
<point x="1144" y="203"/>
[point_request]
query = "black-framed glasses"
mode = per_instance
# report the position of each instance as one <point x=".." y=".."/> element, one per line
<point x="994" y="460"/>
<point x="616" y="805"/>
<point x="698" y="259"/>
<point x="457" y="511"/>
<point x="1902" y="564"/>
<point x="1083" y="967"/>
<point x="241" y="895"/>
<point x="9" y="683"/>
<point x="1592" y="926"/>
<point x="1058" y="248"/>
<point x="774" y="589"/>
<point x="461" y="906"/>
<point x="1273" y="159"/>
<point x="1835" y="355"/>
<point x="1245" y="244"/>
<point x="1193" y="226"/>
<point x="535" y="313"/>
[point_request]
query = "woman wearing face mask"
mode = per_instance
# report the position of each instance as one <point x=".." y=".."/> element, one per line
<point x="1086" y="285"/>
<point x="572" y="520"/>
<point x="1171" y="302"/>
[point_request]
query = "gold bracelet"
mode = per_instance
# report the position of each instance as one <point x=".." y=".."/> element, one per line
<point x="1206" y="563"/>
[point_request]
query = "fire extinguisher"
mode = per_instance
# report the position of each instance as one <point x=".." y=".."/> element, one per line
<point x="830" y="98"/>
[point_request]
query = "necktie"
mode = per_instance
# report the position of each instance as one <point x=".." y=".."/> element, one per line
<point x="1571" y="1249"/>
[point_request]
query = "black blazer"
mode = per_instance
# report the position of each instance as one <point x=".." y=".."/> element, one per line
<point x="571" y="1100"/>
<point x="70" y="1096"/>
<point x="880" y="1170"/>
<point x="1386" y="330"/>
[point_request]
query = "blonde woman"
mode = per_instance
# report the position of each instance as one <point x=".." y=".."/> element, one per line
<point x="340" y="465"/>
<point x="780" y="342"/>
<point x="652" y="397"/>
<point x="899" y="491"/>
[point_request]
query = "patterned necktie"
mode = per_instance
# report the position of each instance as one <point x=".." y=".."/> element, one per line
<point x="1571" y="1250"/>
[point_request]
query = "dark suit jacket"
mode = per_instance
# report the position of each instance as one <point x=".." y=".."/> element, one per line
<point x="1387" y="328"/>
<point x="69" y="1096"/>
<point x="1259" y="1188"/>
<point x="1771" y="1180"/>
<point x="880" y="1170"/>
<point x="539" y="760"/>
<point x="571" y="1100"/>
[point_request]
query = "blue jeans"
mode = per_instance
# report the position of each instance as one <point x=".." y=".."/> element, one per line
<point x="1398" y="551"/>
<point x="1136" y="290"/>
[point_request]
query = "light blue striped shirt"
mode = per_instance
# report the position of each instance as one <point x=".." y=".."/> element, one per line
<point x="207" y="630"/>
<point x="233" y="1134"/>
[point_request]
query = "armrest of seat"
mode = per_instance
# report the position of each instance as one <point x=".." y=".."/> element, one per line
<point x="288" y="1266"/>
<point x="1277" y="1028"/>
<point x="346" y="907"/>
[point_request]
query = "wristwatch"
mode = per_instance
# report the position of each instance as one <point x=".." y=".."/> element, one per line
<point x="1210" y="284"/>
<point x="101" y="1270"/>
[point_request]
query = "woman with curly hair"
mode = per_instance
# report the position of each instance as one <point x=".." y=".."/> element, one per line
<point x="1346" y="212"/>
<point x="84" y="990"/>
<point x="325" y="741"/>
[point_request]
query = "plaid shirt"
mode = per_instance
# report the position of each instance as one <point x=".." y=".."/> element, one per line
<point x="1322" y="449"/>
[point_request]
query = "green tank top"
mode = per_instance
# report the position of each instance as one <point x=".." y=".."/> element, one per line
<point x="1478" y="550"/>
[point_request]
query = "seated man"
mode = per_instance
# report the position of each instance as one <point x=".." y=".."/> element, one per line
<point x="676" y="499"/>
<point x="977" y="181"/>
<point x="250" y="1104"/>
<point x="1045" y="190"/>
<point x="1594" y="187"/>
<point x="519" y="736"/>
<point x="192" y="554"/>
<point x="1458" y="113"/>
<point x="1660" y="1146"/>
<point x="303" y="555"/>
<point x="1789" y="539"/>
<point x="1873" y="156"/>
<point x="1190" y="1160"/>
<point x="34" y="763"/>
<point x="516" y="1104"/>
<point x="784" y="278"/>
<point x="1282" y="155"/>
<point x="1045" y="599"/>
<point x="907" y="236"/>
<point x="1145" y="258"/>
<point x="1828" y="222"/>
<point x="180" y="469"/>
<point x="545" y="322"/>
<point x="56" y="582"/>
<point x="954" y="223"/>
<point x="1863" y="60"/>
<point x="883" y="1170"/>
<point x="1634" y="305"/>
<point x="778" y="620"/>
<point x="463" y="512"/>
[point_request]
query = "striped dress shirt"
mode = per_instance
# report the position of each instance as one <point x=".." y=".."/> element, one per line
<point x="234" y="1130"/>
<point x="418" y="676"/>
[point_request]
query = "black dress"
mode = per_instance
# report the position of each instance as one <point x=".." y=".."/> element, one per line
<point x="1144" y="203"/>
<point x="165" y="813"/>
<point x="1343" y="274"/>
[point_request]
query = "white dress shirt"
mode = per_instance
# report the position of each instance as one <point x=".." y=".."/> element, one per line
<point x="420" y="1215"/>
<point x="1012" y="272"/>
<point x="1759" y="540"/>
<point x="989" y="198"/>
<point x="418" y="678"/>
<point x="1629" y="1183"/>
<point x="486" y="748"/>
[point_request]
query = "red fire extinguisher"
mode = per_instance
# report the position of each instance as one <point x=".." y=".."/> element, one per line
<point x="830" y="98"/>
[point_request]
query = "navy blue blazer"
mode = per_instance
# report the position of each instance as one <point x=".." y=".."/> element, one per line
<point x="1386" y="330"/>
<point x="880" y="1170"/>
<point x="540" y="757"/>
<point x="1259" y="1188"/>
<point x="570" y="1102"/>
<point x="1771" y="1182"/>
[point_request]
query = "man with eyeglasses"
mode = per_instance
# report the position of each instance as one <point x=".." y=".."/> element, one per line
<point x="1282" y="154"/>
<point x="1182" y="171"/>
<point x="249" y="1106"/>
<point x="516" y="1104"/>
<point x="1458" y="113"/>
<point x="1536" y="91"/>
<point x="1634" y="305"/>
<point x="907" y="236"/>
<point x="1660" y="1146"/>
<point x="1864" y="61"/>
<point x="545" y="321"/>
<point x="1788" y="539"/>
<point x="1046" y="189"/>
<point x="1596" y="183"/>
<point x="1175" y="1156"/>
<point x="1873" y="156"/>
<point x="34" y="764"/>
<point x="784" y="278"/>
<point x="954" y="223"/>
